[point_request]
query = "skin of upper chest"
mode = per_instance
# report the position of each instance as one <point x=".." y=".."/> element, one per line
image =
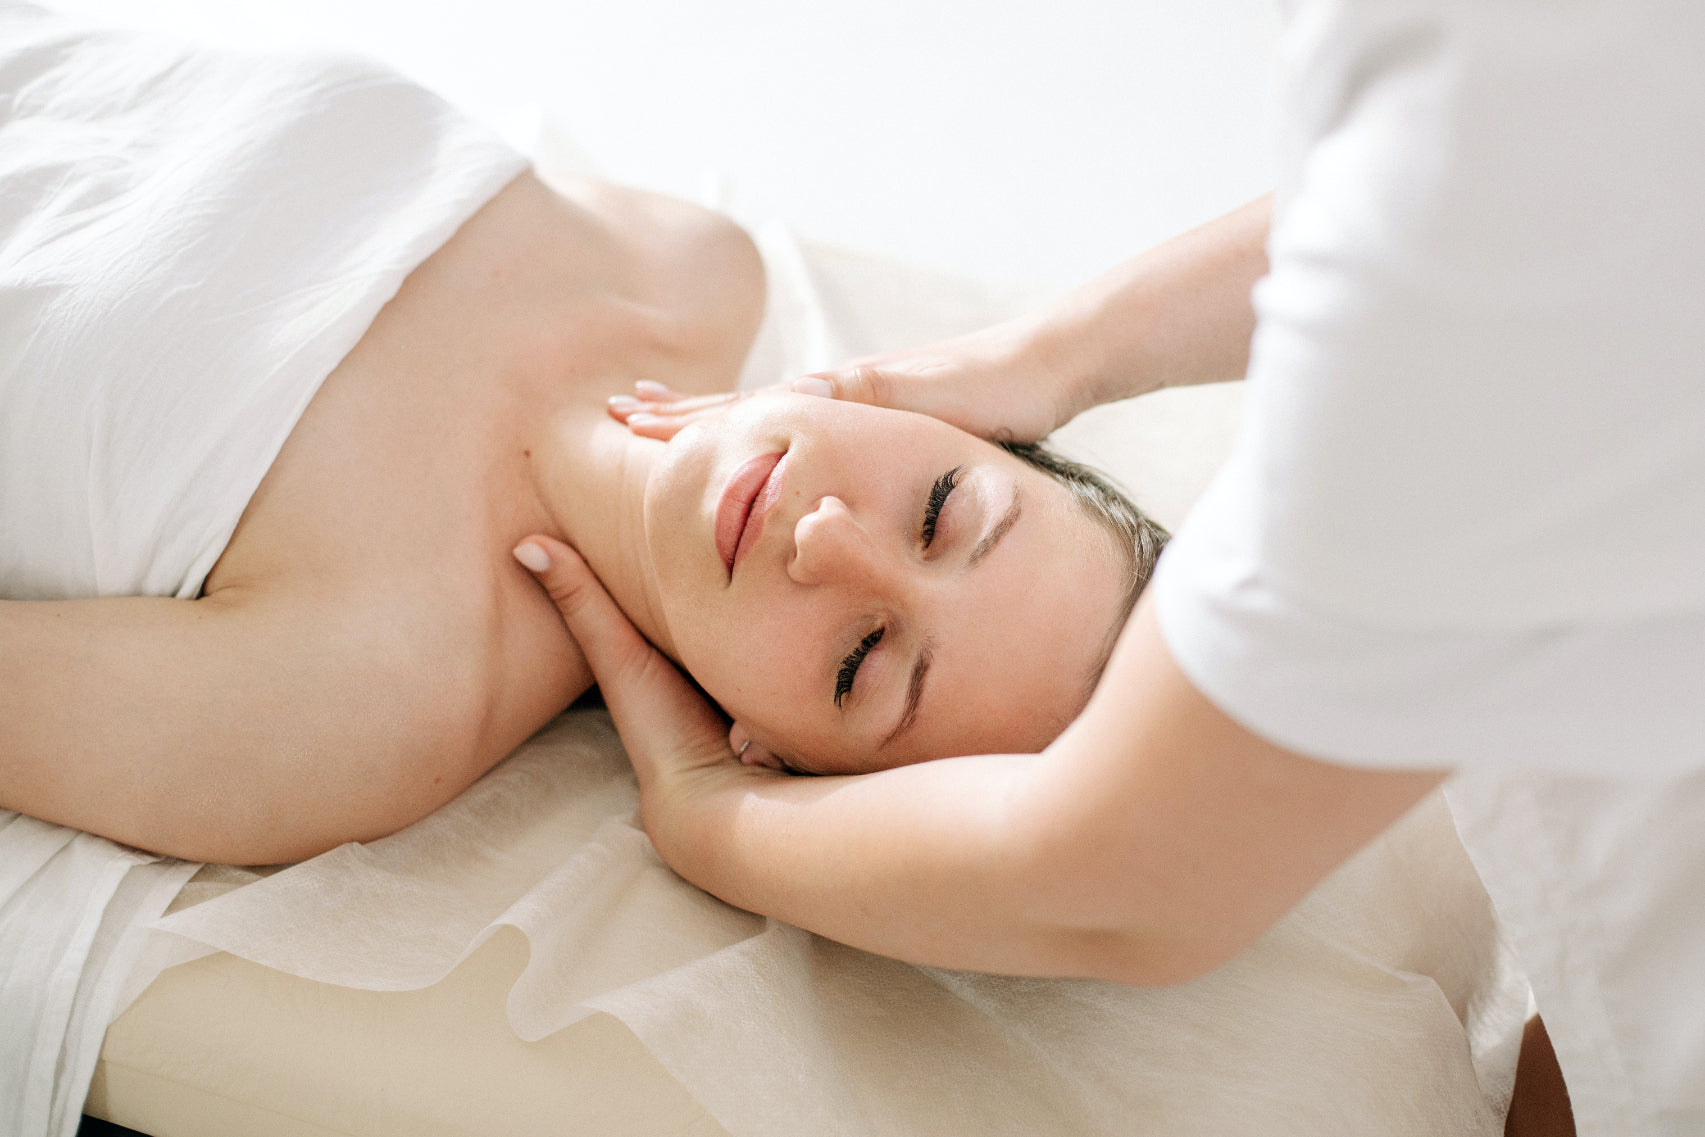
<point x="403" y="486"/>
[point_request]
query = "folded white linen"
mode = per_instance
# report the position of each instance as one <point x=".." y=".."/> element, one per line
<point x="1387" y="1002"/>
<point x="74" y="911"/>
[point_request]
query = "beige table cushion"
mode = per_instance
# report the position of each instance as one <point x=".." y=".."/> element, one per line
<point x="223" y="1047"/>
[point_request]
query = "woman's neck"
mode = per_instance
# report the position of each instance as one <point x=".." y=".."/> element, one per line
<point x="627" y="285"/>
<point x="589" y="474"/>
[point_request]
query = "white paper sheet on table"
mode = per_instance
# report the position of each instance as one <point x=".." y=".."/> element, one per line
<point x="1386" y="1003"/>
<point x="1342" y="1016"/>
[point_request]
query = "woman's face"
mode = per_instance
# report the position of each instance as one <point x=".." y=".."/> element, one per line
<point x="899" y="590"/>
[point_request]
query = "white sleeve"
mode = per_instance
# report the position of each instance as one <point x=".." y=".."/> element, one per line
<point x="1465" y="522"/>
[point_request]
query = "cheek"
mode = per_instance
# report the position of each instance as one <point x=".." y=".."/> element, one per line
<point x="750" y="660"/>
<point x="673" y="501"/>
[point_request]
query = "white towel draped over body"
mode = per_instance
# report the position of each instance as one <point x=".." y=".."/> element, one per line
<point x="190" y="241"/>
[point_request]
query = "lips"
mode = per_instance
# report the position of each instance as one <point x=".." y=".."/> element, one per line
<point x="745" y="500"/>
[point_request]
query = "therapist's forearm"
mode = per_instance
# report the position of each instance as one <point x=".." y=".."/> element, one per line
<point x="926" y="863"/>
<point x="1150" y="843"/>
<point x="1176" y="315"/>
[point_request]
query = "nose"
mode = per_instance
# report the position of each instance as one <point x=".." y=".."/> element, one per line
<point x="830" y="544"/>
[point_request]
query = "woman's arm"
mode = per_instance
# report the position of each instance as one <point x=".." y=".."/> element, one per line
<point x="1150" y="843"/>
<point x="243" y="727"/>
<point x="1176" y="315"/>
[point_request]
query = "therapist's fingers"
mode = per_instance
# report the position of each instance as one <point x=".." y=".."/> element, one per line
<point x="952" y="382"/>
<point x="662" y="401"/>
<point x="854" y="383"/>
<point x="664" y="722"/>
<point x="656" y="411"/>
<point x="665" y="424"/>
<point x="919" y="383"/>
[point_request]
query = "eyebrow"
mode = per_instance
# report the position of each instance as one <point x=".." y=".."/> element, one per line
<point x="1001" y="528"/>
<point x="914" y="695"/>
<point x="920" y="669"/>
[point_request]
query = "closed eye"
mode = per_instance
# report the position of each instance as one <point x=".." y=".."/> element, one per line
<point x="849" y="666"/>
<point x="943" y="486"/>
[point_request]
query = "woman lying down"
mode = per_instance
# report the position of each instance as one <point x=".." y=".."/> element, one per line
<point x="294" y="361"/>
<point x="295" y="357"/>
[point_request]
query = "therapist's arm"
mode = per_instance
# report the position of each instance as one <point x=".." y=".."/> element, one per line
<point x="1152" y="842"/>
<point x="1176" y="315"/>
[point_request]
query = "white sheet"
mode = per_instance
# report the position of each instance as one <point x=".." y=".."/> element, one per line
<point x="1348" y="1017"/>
<point x="74" y="911"/>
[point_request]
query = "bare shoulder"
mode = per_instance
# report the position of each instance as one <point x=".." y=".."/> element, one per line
<point x="381" y="533"/>
<point x="366" y="647"/>
<point x="695" y="271"/>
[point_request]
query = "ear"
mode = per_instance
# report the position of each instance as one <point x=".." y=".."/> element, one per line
<point x="750" y="753"/>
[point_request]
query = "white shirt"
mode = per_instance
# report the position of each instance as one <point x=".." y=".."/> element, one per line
<point x="1465" y="523"/>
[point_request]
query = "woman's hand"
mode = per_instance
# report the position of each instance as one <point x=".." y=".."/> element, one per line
<point x="679" y="745"/>
<point x="1003" y="382"/>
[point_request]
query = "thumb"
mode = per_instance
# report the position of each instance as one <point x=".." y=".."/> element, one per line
<point x="858" y="384"/>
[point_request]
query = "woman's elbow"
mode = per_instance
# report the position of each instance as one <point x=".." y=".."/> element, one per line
<point x="1147" y="958"/>
<point x="317" y="800"/>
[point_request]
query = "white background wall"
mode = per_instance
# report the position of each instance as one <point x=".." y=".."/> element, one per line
<point x="1035" y="142"/>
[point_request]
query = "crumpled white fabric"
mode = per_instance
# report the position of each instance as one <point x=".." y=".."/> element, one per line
<point x="1386" y="1003"/>
<point x="190" y="241"/>
<point x="74" y="910"/>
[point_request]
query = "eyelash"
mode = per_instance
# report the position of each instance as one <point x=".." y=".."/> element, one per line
<point x="938" y="494"/>
<point x="944" y="485"/>
<point x="849" y="665"/>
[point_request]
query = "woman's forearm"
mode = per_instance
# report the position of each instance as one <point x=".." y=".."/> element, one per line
<point x="1175" y="315"/>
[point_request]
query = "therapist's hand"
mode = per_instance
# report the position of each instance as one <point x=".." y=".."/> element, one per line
<point x="677" y="742"/>
<point x="1005" y="382"/>
<point x="1175" y="315"/>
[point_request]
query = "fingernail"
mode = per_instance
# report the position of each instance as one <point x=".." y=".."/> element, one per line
<point x="646" y="389"/>
<point x="623" y="402"/>
<point x="811" y="385"/>
<point x="533" y="558"/>
<point x="641" y="418"/>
